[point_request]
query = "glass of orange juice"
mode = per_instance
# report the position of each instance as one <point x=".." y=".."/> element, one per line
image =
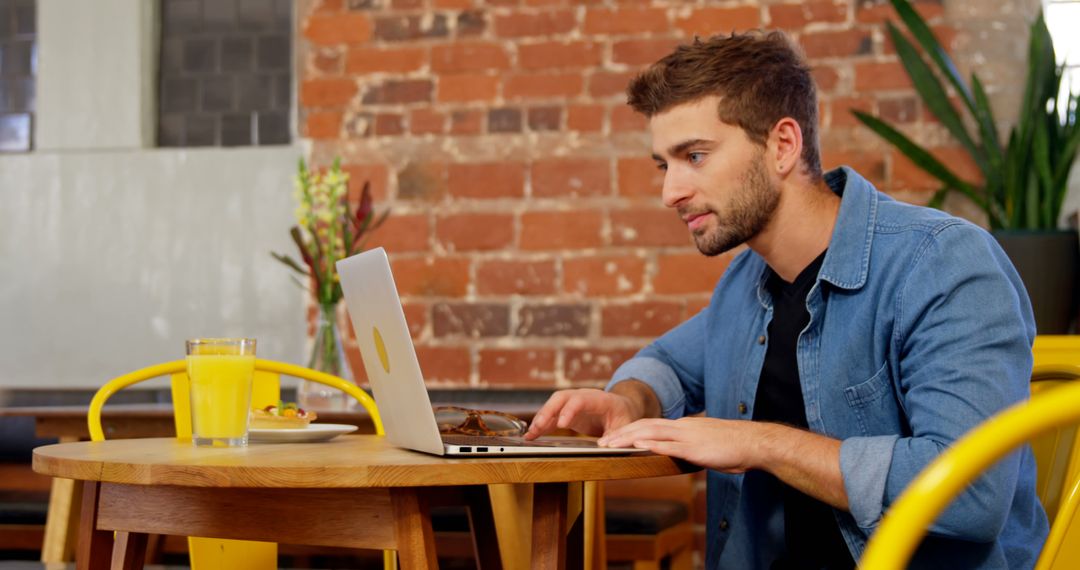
<point x="220" y="371"/>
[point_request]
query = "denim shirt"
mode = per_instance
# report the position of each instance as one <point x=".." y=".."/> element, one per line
<point x="919" y="330"/>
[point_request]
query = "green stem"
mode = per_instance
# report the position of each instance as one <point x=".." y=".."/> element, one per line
<point x="326" y="341"/>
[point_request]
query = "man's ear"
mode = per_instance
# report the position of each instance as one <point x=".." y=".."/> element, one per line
<point x="785" y="145"/>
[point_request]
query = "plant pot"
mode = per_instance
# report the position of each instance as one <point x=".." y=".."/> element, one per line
<point x="1048" y="262"/>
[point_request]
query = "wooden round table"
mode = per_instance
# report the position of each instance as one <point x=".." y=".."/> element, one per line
<point x="354" y="491"/>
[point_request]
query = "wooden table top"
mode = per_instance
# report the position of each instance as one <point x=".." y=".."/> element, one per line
<point x="354" y="461"/>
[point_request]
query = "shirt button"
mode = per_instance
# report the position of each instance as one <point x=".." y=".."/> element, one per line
<point x="723" y="524"/>
<point x="742" y="407"/>
<point x="761" y="339"/>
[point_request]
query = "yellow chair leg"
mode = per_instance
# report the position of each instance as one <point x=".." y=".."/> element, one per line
<point x="223" y="554"/>
<point x="683" y="559"/>
<point x="389" y="559"/>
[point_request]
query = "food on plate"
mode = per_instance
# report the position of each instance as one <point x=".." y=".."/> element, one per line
<point x="282" y="416"/>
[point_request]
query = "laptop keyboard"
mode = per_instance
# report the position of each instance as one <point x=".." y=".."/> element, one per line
<point x="490" y="440"/>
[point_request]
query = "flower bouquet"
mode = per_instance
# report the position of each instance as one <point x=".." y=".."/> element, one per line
<point x="329" y="228"/>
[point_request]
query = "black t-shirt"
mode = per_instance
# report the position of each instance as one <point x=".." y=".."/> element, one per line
<point x="811" y="534"/>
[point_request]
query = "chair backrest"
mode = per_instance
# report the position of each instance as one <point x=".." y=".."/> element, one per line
<point x="1056" y="349"/>
<point x="1055" y="451"/>
<point x="266" y="390"/>
<point x="1062" y="548"/>
<point x="677" y="488"/>
<point x="906" y="522"/>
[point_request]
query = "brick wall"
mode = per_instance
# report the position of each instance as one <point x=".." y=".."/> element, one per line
<point x="527" y="235"/>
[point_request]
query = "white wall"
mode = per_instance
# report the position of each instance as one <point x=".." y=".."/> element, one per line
<point x="112" y="252"/>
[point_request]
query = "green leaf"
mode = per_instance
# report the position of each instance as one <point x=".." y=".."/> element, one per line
<point x="920" y="156"/>
<point x="1033" y="107"/>
<point x="938" y="200"/>
<point x="1068" y="155"/>
<point x="1030" y="217"/>
<point x="381" y="219"/>
<point x="299" y="283"/>
<point x="984" y="116"/>
<point x="1037" y="202"/>
<point x="290" y="262"/>
<point x="918" y="28"/>
<point x="934" y="95"/>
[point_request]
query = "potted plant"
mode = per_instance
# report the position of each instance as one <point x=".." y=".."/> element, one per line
<point x="1024" y="176"/>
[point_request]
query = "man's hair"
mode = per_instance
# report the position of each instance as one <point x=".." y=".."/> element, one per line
<point x="760" y="78"/>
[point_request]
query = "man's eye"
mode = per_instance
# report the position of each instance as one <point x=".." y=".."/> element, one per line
<point x="661" y="166"/>
<point x="695" y="157"/>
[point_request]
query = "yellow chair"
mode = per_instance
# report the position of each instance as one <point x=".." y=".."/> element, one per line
<point x="1056" y="349"/>
<point x="1058" y="463"/>
<point x="1061" y="550"/>
<point x="905" y="523"/>
<point x="224" y="554"/>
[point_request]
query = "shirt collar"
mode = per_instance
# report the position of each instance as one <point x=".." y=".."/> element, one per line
<point x="847" y="262"/>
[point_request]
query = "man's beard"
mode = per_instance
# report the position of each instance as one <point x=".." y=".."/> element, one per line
<point x="746" y="215"/>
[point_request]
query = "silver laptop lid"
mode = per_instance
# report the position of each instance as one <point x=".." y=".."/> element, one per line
<point x="387" y="349"/>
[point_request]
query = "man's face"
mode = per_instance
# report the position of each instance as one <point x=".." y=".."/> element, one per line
<point x="715" y="176"/>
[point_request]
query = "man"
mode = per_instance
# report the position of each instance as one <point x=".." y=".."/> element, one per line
<point x="853" y="341"/>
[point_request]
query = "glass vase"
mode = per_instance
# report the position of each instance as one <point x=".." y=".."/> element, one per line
<point x="327" y="355"/>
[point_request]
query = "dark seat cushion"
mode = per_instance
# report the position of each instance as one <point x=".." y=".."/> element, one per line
<point x="642" y="516"/>
<point x="17" y="439"/>
<point x="449" y="519"/>
<point x="23" y="507"/>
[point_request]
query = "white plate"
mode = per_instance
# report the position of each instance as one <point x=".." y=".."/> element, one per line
<point x="312" y="433"/>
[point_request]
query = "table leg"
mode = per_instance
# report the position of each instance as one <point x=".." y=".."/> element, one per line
<point x="95" y="546"/>
<point x="549" y="526"/>
<point x="595" y="532"/>
<point x="412" y="527"/>
<point x="511" y="505"/>
<point x="129" y="551"/>
<point x="485" y="539"/>
<point x="62" y="520"/>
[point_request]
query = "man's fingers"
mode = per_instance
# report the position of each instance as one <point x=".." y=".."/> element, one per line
<point x="651" y="429"/>
<point x="545" y="417"/>
<point x="570" y="411"/>
<point x="668" y="448"/>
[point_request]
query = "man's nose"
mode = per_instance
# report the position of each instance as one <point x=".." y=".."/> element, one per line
<point x="675" y="190"/>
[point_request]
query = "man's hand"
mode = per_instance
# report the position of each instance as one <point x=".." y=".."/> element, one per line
<point x="805" y="460"/>
<point x="728" y="446"/>
<point x="595" y="412"/>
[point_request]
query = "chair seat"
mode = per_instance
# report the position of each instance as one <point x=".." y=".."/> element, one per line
<point x="642" y="516"/>
<point x="449" y="519"/>
<point x="23" y="507"/>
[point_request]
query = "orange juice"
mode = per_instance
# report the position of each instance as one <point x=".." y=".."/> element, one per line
<point x="220" y="397"/>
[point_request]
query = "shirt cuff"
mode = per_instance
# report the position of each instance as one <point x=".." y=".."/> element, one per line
<point x="864" y="465"/>
<point x="660" y="377"/>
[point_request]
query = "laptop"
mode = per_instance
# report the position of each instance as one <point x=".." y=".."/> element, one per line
<point x="394" y="373"/>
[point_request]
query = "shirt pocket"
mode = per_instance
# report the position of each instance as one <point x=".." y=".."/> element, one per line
<point x="874" y="404"/>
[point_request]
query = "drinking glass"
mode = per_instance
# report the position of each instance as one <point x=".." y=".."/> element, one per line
<point x="220" y="371"/>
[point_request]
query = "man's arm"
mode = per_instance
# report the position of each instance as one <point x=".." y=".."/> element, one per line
<point x="645" y="402"/>
<point x="962" y="339"/>
<point x="805" y="460"/>
<point x="663" y="379"/>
